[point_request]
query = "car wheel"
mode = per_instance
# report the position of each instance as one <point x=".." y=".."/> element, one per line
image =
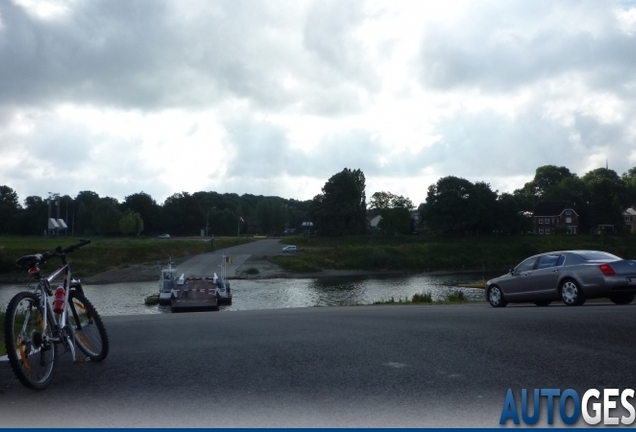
<point x="622" y="298"/>
<point x="571" y="293"/>
<point x="495" y="296"/>
<point x="542" y="303"/>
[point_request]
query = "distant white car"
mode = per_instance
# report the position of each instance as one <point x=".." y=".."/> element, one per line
<point x="164" y="236"/>
<point x="290" y="249"/>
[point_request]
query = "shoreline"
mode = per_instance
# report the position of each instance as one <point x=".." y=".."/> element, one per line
<point x="265" y="270"/>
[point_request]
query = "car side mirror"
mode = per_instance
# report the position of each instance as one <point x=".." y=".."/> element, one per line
<point x="511" y="271"/>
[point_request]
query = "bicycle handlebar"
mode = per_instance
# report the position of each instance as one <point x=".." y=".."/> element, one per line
<point x="83" y="242"/>
<point x="29" y="261"/>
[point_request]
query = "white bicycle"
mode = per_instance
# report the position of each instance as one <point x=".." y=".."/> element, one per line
<point x="36" y="328"/>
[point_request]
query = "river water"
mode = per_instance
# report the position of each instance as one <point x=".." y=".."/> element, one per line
<point x="128" y="298"/>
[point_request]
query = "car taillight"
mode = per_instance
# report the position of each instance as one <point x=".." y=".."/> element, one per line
<point x="607" y="270"/>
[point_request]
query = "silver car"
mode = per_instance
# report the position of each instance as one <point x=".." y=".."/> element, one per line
<point x="571" y="276"/>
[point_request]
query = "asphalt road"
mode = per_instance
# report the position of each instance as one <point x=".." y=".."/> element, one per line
<point x="205" y="265"/>
<point x="371" y="366"/>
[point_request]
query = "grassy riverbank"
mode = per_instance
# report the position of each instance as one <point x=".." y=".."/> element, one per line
<point x="106" y="253"/>
<point x="436" y="253"/>
<point x="426" y="298"/>
<point x="362" y="253"/>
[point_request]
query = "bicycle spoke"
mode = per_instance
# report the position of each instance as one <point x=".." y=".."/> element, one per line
<point x="30" y="354"/>
<point x="88" y="329"/>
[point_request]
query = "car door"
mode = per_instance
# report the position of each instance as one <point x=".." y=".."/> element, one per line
<point x="545" y="277"/>
<point x="519" y="282"/>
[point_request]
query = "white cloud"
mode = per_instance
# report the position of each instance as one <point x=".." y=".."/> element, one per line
<point x="274" y="98"/>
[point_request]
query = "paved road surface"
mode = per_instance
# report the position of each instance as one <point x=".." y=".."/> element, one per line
<point x="340" y="366"/>
<point x="209" y="263"/>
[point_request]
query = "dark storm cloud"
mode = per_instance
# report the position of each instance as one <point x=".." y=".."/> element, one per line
<point x="123" y="54"/>
<point x="144" y="54"/>
<point x="101" y="53"/>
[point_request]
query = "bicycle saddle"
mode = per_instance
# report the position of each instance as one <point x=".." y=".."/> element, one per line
<point x="29" y="261"/>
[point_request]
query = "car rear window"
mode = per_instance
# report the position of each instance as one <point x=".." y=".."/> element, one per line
<point x="597" y="256"/>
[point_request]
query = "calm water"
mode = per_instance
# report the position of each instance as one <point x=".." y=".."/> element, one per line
<point x="128" y="298"/>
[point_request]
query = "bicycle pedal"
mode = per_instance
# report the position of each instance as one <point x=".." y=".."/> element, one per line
<point x="83" y="360"/>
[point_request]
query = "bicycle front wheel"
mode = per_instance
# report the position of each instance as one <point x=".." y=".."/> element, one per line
<point x="26" y="334"/>
<point x="87" y="327"/>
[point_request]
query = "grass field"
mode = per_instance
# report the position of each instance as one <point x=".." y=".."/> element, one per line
<point x="409" y="253"/>
<point x="107" y="253"/>
<point x="433" y="253"/>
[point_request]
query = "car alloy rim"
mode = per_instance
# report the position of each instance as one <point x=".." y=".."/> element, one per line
<point x="495" y="295"/>
<point x="569" y="293"/>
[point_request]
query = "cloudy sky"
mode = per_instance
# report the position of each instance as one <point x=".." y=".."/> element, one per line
<point x="274" y="97"/>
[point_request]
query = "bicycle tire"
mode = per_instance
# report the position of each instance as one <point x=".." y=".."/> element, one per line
<point x="31" y="357"/>
<point x="88" y="329"/>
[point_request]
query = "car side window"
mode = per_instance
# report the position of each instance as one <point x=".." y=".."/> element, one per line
<point x="547" y="261"/>
<point x="526" y="265"/>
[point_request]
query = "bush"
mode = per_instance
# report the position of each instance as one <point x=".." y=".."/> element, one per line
<point x="456" y="297"/>
<point x="422" y="298"/>
<point x="392" y="301"/>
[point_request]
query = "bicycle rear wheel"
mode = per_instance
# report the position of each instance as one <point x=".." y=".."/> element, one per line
<point x="87" y="327"/>
<point x="31" y="355"/>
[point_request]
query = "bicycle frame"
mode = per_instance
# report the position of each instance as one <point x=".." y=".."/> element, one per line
<point x="60" y="329"/>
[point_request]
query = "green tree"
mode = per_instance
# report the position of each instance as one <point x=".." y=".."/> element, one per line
<point x="341" y="207"/>
<point x="576" y="191"/>
<point x="395" y="211"/>
<point x="482" y="209"/>
<point x="545" y="177"/>
<point x="131" y="223"/>
<point x="447" y="205"/>
<point x="183" y="215"/>
<point x="9" y="207"/>
<point x="511" y="219"/>
<point x="106" y="217"/>
<point x="85" y="204"/>
<point x="455" y="205"/>
<point x="271" y="215"/>
<point x="147" y="208"/>
<point x="33" y="219"/>
<point x="607" y="194"/>
<point x="629" y="178"/>
<point x="387" y="200"/>
<point x="396" y="221"/>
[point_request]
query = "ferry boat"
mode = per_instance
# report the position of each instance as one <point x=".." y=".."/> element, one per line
<point x="168" y="284"/>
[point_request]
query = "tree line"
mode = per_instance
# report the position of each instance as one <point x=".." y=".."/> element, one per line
<point x="453" y="205"/>
<point x="139" y="214"/>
